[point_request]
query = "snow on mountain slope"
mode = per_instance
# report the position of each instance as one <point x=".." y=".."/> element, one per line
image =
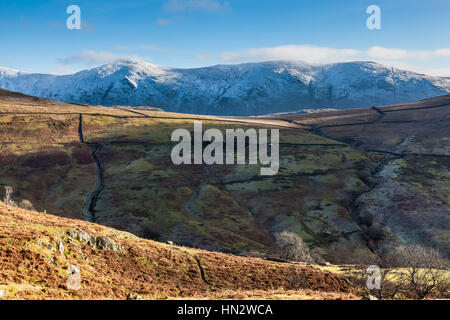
<point x="245" y="89"/>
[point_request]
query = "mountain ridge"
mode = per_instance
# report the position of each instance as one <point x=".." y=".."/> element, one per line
<point x="242" y="89"/>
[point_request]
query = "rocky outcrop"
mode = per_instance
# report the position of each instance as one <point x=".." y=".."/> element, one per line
<point x="96" y="242"/>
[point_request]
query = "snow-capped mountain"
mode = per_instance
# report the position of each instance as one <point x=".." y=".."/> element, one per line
<point x="244" y="89"/>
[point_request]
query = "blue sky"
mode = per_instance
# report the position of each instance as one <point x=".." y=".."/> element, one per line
<point x="414" y="34"/>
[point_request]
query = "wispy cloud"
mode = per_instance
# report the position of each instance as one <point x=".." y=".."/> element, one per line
<point x="90" y="58"/>
<point x="439" y="72"/>
<point x="196" y="5"/>
<point x="383" y="53"/>
<point x="414" y="60"/>
<point x="432" y="62"/>
<point x="292" y="52"/>
<point x="399" y="54"/>
<point x="61" y="69"/>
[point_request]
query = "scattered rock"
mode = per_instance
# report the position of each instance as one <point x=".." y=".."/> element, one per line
<point x="101" y="243"/>
<point x="82" y="236"/>
<point x="46" y="245"/>
<point x="105" y="243"/>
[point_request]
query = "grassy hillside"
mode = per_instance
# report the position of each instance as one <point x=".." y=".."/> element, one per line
<point x="350" y="182"/>
<point x="36" y="250"/>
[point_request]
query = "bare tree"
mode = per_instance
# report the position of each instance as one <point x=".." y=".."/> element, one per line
<point x="292" y="247"/>
<point x="8" y="200"/>
<point x="426" y="271"/>
<point x="390" y="283"/>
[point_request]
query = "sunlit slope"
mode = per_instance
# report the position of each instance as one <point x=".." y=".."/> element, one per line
<point x="37" y="249"/>
<point x="326" y="187"/>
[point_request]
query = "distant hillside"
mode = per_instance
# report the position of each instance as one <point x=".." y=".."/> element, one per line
<point x="245" y="89"/>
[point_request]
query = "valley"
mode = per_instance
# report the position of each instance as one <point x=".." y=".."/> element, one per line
<point x="349" y="181"/>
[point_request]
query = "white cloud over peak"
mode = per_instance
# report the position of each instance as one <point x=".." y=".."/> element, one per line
<point x="292" y="52"/>
<point x="386" y="53"/>
<point x="431" y="62"/>
<point x="423" y="61"/>
<point x="399" y="54"/>
<point x="91" y="57"/>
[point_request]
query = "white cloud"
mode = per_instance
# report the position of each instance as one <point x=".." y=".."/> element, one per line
<point x="292" y="52"/>
<point x="443" y="52"/>
<point x="90" y="58"/>
<point x="438" y="72"/>
<point x="93" y="58"/>
<point x="62" y="70"/>
<point x="196" y="5"/>
<point x="419" y="61"/>
<point x="399" y="54"/>
<point x="386" y="53"/>
<point x="432" y="62"/>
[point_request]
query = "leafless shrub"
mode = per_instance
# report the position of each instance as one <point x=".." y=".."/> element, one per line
<point x="8" y="200"/>
<point x="292" y="247"/>
<point x="27" y="205"/>
<point x="391" y="284"/>
<point x="426" y="271"/>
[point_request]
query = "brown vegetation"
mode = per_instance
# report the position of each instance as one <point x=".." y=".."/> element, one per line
<point x="32" y="268"/>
